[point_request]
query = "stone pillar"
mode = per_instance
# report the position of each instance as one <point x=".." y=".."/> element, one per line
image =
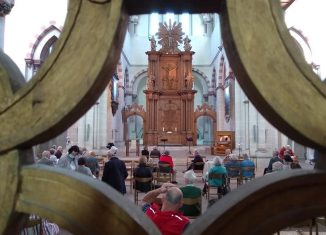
<point x="5" y="8"/>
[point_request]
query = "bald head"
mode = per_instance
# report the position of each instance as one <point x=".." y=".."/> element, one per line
<point x="174" y="196"/>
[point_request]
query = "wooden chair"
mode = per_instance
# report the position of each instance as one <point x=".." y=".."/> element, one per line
<point x="195" y="203"/>
<point x="216" y="176"/>
<point x="130" y="169"/>
<point x="234" y="173"/>
<point x="164" y="173"/>
<point x="199" y="165"/>
<point x="250" y="169"/>
<point x="146" y="182"/>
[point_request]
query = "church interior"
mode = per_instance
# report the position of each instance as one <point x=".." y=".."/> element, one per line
<point x="175" y="78"/>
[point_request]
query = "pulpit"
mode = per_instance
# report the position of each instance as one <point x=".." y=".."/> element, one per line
<point x="169" y="93"/>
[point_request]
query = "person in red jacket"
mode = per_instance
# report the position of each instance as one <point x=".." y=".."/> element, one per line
<point x="166" y="158"/>
<point x="285" y="150"/>
<point x="166" y="216"/>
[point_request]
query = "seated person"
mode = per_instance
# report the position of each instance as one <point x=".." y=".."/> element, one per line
<point x="227" y="155"/>
<point x="233" y="162"/>
<point x="145" y="151"/>
<point x="190" y="191"/>
<point x="277" y="166"/>
<point x="287" y="162"/>
<point x="245" y="163"/>
<point x="143" y="171"/>
<point x="197" y="158"/>
<point x="166" y="158"/>
<point x="217" y="168"/>
<point x="155" y="152"/>
<point x="286" y="150"/>
<point x="166" y="217"/>
<point x="275" y="158"/>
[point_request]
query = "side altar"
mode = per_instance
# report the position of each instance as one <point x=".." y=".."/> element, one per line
<point x="169" y="93"/>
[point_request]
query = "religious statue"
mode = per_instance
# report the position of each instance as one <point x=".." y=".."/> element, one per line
<point x="186" y="44"/>
<point x="151" y="82"/>
<point x="153" y="43"/>
<point x="188" y="80"/>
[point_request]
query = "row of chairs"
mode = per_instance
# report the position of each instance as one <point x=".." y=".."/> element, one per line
<point x="233" y="173"/>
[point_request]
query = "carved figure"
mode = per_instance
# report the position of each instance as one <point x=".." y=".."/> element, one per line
<point x="151" y="82"/>
<point x="186" y="44"/>
<point x="153" y="43"/>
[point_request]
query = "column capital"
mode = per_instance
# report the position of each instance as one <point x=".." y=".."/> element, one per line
<point x="6" y="6"/>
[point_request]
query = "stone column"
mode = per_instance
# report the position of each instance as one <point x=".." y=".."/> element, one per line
<point x="5" y="8"/>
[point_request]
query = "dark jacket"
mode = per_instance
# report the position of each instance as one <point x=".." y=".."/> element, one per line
<point x="197" y="158"/>
<point x="155" y="152"/>
<point x="115" y="173"/>
<point x="143" y="171"/>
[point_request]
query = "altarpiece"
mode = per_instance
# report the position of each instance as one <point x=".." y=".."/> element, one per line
<point x="169" y="90"/>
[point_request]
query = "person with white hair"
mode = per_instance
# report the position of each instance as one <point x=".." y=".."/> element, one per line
<point x="233" y="163"/>
<point x="190" y="191"/>
<point x="217" y="168"/>
<point x="115" y="171"/>
<point x="45" y="160"/>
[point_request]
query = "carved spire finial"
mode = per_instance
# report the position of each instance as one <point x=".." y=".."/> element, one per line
<point x="170" y="36"/>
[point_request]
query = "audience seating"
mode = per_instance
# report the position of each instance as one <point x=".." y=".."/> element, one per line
<point x="234" y="173"/>
<point x="209" y="187"/>
<point x="163" y="174"/>
<point x="198" y="165"/>
<point x="142" y="185"/>
<point x="190" y="204"/>
<point x="250" y="169"/>
<point x="130" y="170"/>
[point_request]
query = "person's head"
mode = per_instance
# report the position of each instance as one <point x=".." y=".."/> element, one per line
<point x="92" y="153"/>
<point x="73" y="150"/>
<point x="113" y="150"/>
<point x="46" y="154"/>
<point x="145" y="147"/>
<point x="166" y="152"/>
<point x="277" y="166"/>
<point x="287" y="147"/>
<point x="81" y="161"/>
<point x="172" y="199"/>
<point x="196" y="152"/>
<point x="217" y="161"/>
<point x="109" y="145"/>
<point x="83" y="150"/>
<point x="190" y="177"/>
<point x="54" y="147"/>
<point x="233" y="157"/>
<point x="245" y="156"/>
<point x="142" y="160"/>
<point x="227" y="152"/>
<point x="155" y="148"/>
<point x="52" y="151"/>
<point x="59" y="148"/>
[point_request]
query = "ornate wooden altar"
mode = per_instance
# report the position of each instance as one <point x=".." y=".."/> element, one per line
<point x="169" y="93"/>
